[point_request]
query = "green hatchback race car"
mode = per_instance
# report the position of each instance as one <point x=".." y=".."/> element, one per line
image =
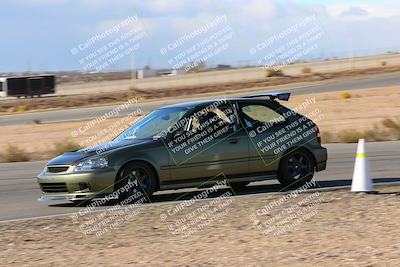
<point x="194" y="144"/>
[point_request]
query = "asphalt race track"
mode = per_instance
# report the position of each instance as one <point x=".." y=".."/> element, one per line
<point x="19" y="191"/>
<point x="373" y="81"/>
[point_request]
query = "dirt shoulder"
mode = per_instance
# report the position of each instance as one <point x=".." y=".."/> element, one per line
<point x="122" y="94"/>
<point x="339" y="229"/>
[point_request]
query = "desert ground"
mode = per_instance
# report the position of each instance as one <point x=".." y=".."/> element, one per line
<point x="95" y="93"/>
<point x="327" y="228"/>
<point x="233" y="75"/>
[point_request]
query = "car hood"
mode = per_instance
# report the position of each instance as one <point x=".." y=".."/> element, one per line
<point x="70" y="158"/>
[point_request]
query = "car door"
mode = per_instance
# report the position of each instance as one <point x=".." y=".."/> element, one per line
<point x="214" y="144"/>
<point x="264" y="125"/>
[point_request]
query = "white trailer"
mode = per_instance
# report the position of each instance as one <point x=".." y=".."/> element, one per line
<point x="3" y="87"/>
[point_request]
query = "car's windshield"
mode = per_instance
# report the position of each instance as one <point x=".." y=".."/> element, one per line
<point x="153" y="124"/>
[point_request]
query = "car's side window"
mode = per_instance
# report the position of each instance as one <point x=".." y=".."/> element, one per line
<point x="216" y="118"/>
<point x="257" y="113"/>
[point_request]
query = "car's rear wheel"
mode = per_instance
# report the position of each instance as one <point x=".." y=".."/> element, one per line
<point x="140" y="174"/>
<point x="296" y="168"/>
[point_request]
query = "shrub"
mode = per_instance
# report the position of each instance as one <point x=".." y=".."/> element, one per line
<point x="376" y="134"/>
<point x="349" y="136"/>
<point x="11" y="109"/>
<point x="21" y="108"/>
<point x="345" y="95"/>
<point x="14" y="154"/>
<point x="306" y="70"/>
<point x="66" y="146"/>
<point x="271" y="72"/>
<point x="18" y="109"/>
<point x="383" y="63"/>
<point x="393" y="126"/>
<point x="327" y="137"/>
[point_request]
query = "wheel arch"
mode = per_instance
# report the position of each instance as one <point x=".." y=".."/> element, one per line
<point x="141" y="161"/>
<point x="298" y="148"/>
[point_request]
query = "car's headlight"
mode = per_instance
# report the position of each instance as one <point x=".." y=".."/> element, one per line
<point x="91" y="164"/>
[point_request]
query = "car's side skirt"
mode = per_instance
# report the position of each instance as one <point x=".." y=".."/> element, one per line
<point x="209" y="181"/>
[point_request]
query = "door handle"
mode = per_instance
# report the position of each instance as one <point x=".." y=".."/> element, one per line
<point x="233" y="141"/>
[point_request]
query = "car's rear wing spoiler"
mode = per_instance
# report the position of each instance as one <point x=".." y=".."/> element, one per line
<point x="272" y="96"/>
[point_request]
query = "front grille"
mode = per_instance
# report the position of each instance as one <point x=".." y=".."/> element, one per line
<point x="56" y="169"/>
<point x="54" y="188"/>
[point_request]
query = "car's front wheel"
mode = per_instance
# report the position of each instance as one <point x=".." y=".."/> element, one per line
<point x="296" y="168"/>
<point x="137" y="177"/>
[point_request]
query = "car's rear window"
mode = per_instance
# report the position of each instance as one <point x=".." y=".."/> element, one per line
<point x="261" y="113"/>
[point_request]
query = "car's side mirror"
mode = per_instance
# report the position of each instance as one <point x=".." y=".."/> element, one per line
<point x="157" y="137"/>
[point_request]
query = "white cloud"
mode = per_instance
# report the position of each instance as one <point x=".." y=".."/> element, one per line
<point x="354" y="12"/>
<point x="164" y="7"/>
<point x="259" y="9"/>
<point x="383" y="10"/>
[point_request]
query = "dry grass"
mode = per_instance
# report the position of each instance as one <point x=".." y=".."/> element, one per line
<point x="48" y="136"/>
<point x="25" y="104"/>
<point x="349" y="136"/>
<point x="13" y="153"/>
<point x="20" y="108"/>
<point x="271" y="72"/>
<point x="327" y="137"/>
<point x="306" y="70"/>
<point x="64" y="146"/>
<point x="387" y="130"/>
<point x="393" y="126"/>
<point x="345" y="95"/>
<point x="364" y="114"/>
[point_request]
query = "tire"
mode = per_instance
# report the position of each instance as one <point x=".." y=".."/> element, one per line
<point x="296" y="168"/>
<point x="145" y="176"/>
<point x="239" y="186"/>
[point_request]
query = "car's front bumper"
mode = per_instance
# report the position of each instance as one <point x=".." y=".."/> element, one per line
<point x="76" y="186"/>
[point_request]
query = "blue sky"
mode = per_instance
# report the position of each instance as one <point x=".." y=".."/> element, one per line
<point x="38" y="35"/>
